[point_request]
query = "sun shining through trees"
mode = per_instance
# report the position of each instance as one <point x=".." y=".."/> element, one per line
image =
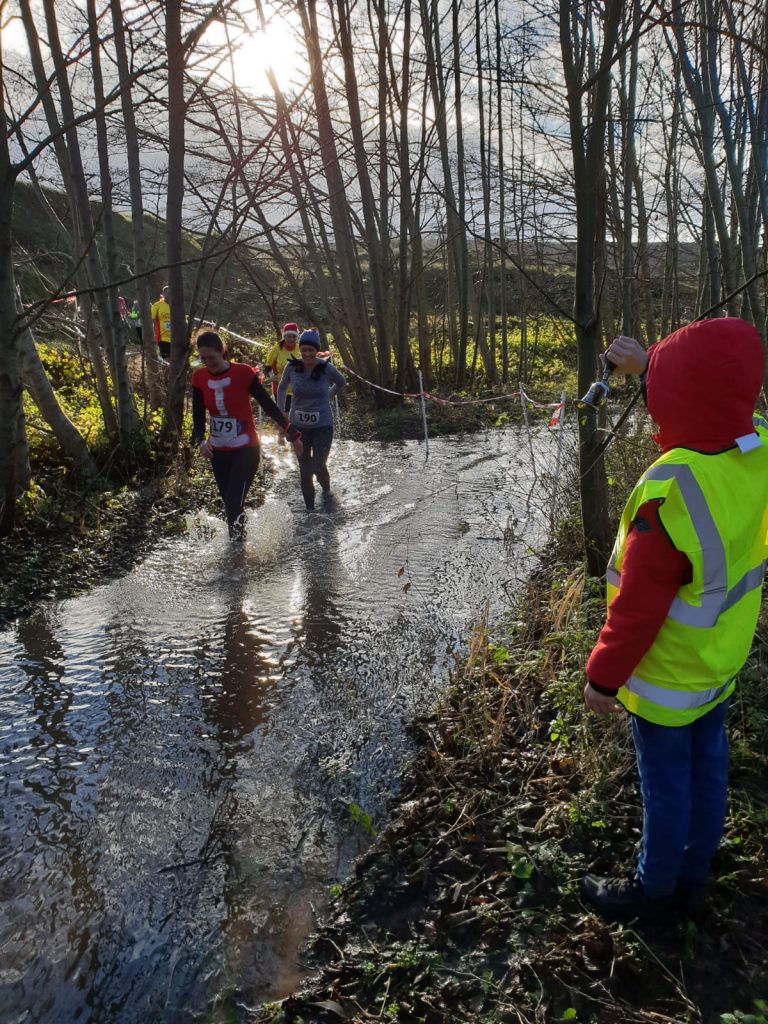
<point x="11" y="30"/>
<point x="254" y="53"/>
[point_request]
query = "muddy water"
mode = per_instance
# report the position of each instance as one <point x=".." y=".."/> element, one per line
<point x="181" y="746"/>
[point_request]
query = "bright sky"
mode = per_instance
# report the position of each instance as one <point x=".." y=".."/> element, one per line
<point x="255" y="51"/>
<point x="12" y="29"/>
<point x="274" y="46"/>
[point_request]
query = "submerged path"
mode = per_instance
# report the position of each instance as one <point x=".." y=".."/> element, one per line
<point x="182" y="746"/>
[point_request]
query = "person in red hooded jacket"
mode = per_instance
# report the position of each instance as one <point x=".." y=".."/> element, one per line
<point x="686" y="574"/>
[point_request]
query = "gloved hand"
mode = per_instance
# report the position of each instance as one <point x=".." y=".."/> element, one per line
<point x="627" y="355"/>
<point x="292" y="433"/>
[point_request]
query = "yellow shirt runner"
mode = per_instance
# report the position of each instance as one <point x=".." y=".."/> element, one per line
<point x="161" y="313"/>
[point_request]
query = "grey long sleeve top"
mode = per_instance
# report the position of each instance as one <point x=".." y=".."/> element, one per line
<point x="312" y="393"/>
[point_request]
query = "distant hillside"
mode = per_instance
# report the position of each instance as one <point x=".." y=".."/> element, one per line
<point x="43" y="256"/>
<point x="43" y="261"/>
<point x="253" y="297"/>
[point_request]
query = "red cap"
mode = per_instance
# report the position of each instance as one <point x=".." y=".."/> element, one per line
<point x="291" y="329"/>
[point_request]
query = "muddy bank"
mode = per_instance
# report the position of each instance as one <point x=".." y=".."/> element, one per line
<point x="466" y="906"/>
<point x="402" y="420"/>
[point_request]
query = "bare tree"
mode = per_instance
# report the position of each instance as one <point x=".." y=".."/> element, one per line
<point x="137" y="198"/>
<point x="588" y="99"/>
<point x="10" y="369"/>
<point x="129" y="425"/>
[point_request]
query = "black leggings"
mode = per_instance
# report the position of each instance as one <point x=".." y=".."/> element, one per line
<point x="234" y="472"/>
<point x="317" y="445"/>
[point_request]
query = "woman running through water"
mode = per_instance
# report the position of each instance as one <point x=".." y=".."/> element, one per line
<point x="224" y="390"/>
<point x="313" y="382"/>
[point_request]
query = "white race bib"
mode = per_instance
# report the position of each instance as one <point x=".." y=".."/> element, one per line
<point x="223" y="426"/>
<point x="306" y="419"/>
<point x="166" y="325"/>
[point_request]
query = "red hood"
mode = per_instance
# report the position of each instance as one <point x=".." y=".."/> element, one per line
<point x="703" y="384"/>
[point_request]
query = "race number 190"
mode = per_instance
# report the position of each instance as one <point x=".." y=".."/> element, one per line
<point x="306" y="419"/>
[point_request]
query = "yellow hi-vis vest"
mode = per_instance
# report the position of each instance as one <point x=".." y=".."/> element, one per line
<point x="715" y="510"/>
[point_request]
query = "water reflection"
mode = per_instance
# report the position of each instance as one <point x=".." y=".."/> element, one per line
<point x="181" y="746"/>
<point x="240" y="700"/>
<point x="257" y="936"/>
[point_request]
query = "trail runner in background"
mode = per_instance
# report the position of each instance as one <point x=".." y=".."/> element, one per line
<point x="161" y="317"/>
<point x="135" y="318"/>
<point x="280" y="354"/>
<point x="276" y="360"/>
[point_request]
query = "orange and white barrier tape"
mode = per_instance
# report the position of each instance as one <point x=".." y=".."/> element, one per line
<point x="555" y="406"/>
<point x="226" y="330"/>
<point x="557" y="415"/>
<point x="388" y="391"/>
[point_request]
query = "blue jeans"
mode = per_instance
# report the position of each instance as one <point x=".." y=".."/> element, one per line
<point x="684" y="782"/>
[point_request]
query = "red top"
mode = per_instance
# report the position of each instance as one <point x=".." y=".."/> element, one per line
<point x="227" y="400"/>
<point x="652" y="572"/>
<point x="703" y="383"/>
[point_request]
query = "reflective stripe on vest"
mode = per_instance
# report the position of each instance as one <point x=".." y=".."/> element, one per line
<point x="715" y="596"/>
<point x="679" y="700"/>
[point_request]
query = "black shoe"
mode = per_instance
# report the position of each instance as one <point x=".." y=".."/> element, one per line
<point x="690" y="897"/>
<point x="622" y="899"/>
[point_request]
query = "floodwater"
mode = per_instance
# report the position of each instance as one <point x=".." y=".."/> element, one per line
<point x="189" y="751"/>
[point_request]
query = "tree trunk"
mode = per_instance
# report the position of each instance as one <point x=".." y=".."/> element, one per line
<point x="627" y="106"/>
<point x="78" y="201"/>
<point x="406" y="201"/>
<point x="486" y="291"/>
<point x="587" y="118"/>
<point x="90" y="339"/>
<point x="174" y="222"/>
<point x="137" y="207"/>
<point x="10" y="372"/>
<point x="352" y="293"/>
<point x="695" y="78"/>
<point x="129" y="425"/>
<point x="319" y="256"/>
<point x="502" y="203"/>
<point x="456" y="237"/>
<point x="746" y="243"/>
<point x="372" y="237"/>
<point x="23" y="467"/>
<point x="463" y="269"/>
<point x="82" y="211"/>
<point x="69" y="437"/>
